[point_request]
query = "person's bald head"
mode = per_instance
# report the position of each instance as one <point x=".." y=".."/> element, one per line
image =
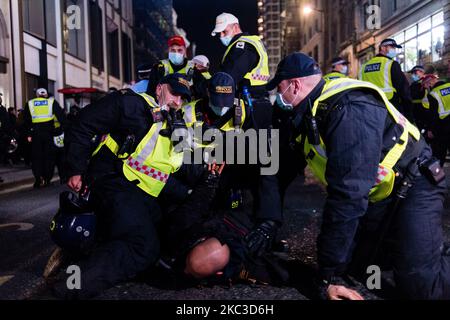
<point x="207" y="258"/>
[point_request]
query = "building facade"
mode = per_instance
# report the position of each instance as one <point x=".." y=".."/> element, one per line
<point x="312" y="38"/>
<point x="291" y="35"/>
<point x="153" y="27"/>
<point x="59" y="44"/>
<point x="270" y="28"/>
<point x="420" y="26"/>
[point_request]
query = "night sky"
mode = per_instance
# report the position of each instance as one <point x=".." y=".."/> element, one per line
<point x="197" y="18"/>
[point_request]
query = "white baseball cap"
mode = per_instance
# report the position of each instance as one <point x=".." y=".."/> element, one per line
<point x="223" y="21"/>
<point x="201" y="60"/>
<point x="41" y="92"/>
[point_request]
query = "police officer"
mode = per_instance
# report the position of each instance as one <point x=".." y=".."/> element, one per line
<point x="133" y="168"/>
<point x="386" y="73"/>
<point x="5" y="130"/>
<point x="143" y="71"/>
<point x="211" y="240"/>
<point x="245" y="58"/>
<point x="419" y="97"/>
<point x="439" y="129"/>
<point x="40" y="114"/>
<point x="367" y="153"/>
<point x="177" y="62"/>
<point x="339" y="69"/>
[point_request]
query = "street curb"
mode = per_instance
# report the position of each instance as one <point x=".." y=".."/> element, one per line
<point x="9" y="185"/>
<point x="19" y="185"/>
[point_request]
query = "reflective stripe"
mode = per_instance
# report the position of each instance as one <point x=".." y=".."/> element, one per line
<point x="442" y="112"/>
<point x="150" y="146"/>
<point x="148" y="171"/>
<point x="150" y="100"/>
<point x="387" y="77"/>
<point x="167" y="67"/>
<point x="320" y="151"/>
<point x="188" y="109"/>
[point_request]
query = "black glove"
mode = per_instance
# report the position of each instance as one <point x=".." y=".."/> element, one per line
<point x="260" y="239"/>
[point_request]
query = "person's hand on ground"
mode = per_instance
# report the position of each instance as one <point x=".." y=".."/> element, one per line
<point x="335" y="292"/>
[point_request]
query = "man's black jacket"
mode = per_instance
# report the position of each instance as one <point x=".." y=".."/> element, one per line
<point x="357" y="132"/>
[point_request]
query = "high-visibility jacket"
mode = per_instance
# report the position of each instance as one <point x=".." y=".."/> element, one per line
<point x="168" y="69"/>
<point x="191" y="118"/>
<point x="260" y="75"/>
<point x="316" y="155"/>
<point x="442" y="96"/>
<point x="333" y="76"/>
<point x="378" y="71"/>
<point x="153" y="161"/>
<point x="41" y="110"/>
<point x="423" y="101"/>
<point x="110" y="143"/>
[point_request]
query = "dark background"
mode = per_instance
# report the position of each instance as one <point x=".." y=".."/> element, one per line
<point x="198" y="17"/>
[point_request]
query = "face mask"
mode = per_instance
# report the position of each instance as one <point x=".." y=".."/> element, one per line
<point x="415" y="78"/>
<point x="219" y="111"/>
<point x="226" y="40"/>
<point x="176" y="58"/>
<point x="344" y="70"/>
<point x="283" y="104"/>
<point x="392" y="53"/>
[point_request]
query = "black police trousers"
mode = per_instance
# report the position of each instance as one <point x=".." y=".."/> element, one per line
<point x="128" y="238"/>
<point x="42" y="154"/>
<point x="414" y="244"/>
<point x="441" y="146"/>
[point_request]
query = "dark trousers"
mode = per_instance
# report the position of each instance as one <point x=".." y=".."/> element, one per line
<point x="414" y="242"/>
<point x="441" y="146"/>
<point x="60" y="163"/>
<point x="129" y="243"/>
<point x="42" y="155"/>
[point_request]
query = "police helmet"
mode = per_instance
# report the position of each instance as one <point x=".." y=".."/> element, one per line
<point x="73" y="227"/>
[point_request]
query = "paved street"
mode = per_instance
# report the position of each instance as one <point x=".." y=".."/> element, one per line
<point x="25" y="247"/>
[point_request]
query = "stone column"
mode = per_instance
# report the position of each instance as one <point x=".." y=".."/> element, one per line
<point x="446" y="6"/>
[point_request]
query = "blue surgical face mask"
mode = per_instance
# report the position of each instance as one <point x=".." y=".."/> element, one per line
<point x="392" y="53"/>
<point x="226" y="40"/>
<point x="415" y="77"/>
<point x="283" y="104"/>
<point x="176" y="58"/>
<point x="344" y="70"/>
<point x="219" y="111"/>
